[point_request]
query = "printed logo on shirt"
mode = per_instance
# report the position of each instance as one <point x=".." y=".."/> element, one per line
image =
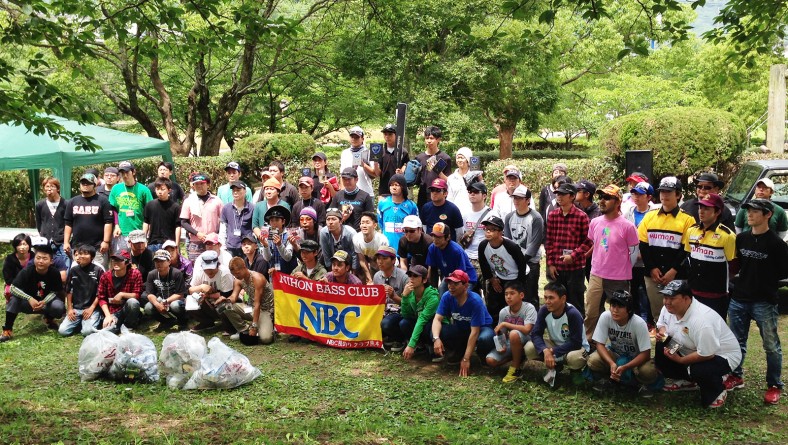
<point x="498" y="265"/>
<point x="605" y="241"/>
<point x="565" y="331"/>
<point x="753" y="254"/>
<point x="443" y="216"/>
<point x="86" y="210"/>
<point x="457" y="317"/>
<point x="705" y="253"/>
<point x="671" y="240"/>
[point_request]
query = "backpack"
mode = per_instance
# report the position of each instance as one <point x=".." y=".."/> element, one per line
<point x="412" y="170"/>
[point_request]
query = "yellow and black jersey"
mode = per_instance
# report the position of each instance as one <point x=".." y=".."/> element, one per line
<point x="661" y="236"/>
<point x="710" y="250"/>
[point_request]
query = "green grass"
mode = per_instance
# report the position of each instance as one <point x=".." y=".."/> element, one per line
<point x="310" y="394"/>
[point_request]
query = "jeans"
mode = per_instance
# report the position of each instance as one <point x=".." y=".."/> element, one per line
<point x="640" y="303"/>
<point x="390" y="327"/>
<point x="54" y="309"/>
<point x="532" y="285"/>
<point x="176" y="313"/>
<point x="84" y="327"/>
<point x="765" y="315"/>
<point x="397" y="328"/>
<point x="154" y="247"/>
<point x="61" y="260"/>
<point x="455" y="338"/>
<point x="129" y="315"/>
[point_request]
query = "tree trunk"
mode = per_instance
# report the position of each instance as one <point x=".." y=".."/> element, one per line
<point x="506" y="138"/>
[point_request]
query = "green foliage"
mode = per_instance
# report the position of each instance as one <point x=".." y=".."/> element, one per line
<point x="16" y="200"/>
<point x="269" y="146"/>
<point x="683" y="140"/>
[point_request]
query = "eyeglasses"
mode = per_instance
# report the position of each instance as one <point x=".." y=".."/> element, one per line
<point x="474" y="192"/>
<point x="411" y="230"/>
<point x="705" y="187"/>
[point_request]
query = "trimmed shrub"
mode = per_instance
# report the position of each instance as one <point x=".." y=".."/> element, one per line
<point x="684" y="140"/>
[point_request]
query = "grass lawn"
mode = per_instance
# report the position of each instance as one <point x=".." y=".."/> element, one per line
<point x="310" y="394"/>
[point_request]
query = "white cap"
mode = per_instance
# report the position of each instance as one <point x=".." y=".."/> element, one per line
<point x="412" y="222"/>
<point x="767" y="182"/>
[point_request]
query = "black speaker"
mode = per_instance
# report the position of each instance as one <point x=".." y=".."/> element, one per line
<point x="640" y="161"/>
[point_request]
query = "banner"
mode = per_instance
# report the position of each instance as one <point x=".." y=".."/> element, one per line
<point x="338" y="315"/>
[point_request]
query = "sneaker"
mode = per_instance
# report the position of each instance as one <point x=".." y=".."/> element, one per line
<point x="6" y="335"/>
<point x="672" y="385"/>
<point x="50" y="323"/>
<point x="512" y="375"/>
<point x="236" y="336"/>
<point x="603" y="386"/>
<point x="438" y="358"/>
<point x="293" y="339"/>
<point x="397" y="347"/>
<point x="772" y="395"/>
<point x="165" y="326"/>
<point x="732" y="381"/>
<point x="201" y="327"/>
<point x="720" y="400"/>
<point x="645" y="392"/>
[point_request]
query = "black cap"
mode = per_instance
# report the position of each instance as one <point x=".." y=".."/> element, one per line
<point x="478" y="186"/>
<point x="125" y="166"/>
<point x="249" y="237"/>
<point x="566" y="189"/>
<point x="310" y="245"/>
<point x="418" y="270"/>
<point x="237" y="185"/>
<point x="320" y="155"/>
<point x="623" y="298"/>
<point x="586" y="185"/>
<point x="389" y="128"/>
<point x="669" y="184"/>
<point x="759" y="204"/>
<point x="709" y="177"/>
<point x="349" y="172"/>
<point x="676" y="287"/>
<point x="493" y="221"/>
<point x="279" y="211"/>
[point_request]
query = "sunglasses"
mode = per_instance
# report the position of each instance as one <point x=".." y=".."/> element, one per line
<point x="474" y="192"/>
<point x="607" y="197"/>
<point x="410" y="230"/>
<point x="705" y="187"/>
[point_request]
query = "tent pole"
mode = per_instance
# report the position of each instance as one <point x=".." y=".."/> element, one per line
<point x="35" y="183"/>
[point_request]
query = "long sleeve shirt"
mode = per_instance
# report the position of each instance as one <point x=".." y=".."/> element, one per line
<point x="567" y="234"/>
<point x="567" y="340"/>
<point x="661" y="236"/>
<point x="422" y="310"/>
<point x="108" y="288"/>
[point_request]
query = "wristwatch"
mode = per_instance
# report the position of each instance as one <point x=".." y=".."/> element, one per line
<point x="254" y="325"/>
<point x="435" y="339"/>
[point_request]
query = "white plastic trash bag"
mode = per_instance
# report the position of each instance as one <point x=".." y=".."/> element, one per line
<point x="135" y="359"/>
<point x="222" y="367"/>
<point x="97" y="354"/>
<point x="180" y="356"/>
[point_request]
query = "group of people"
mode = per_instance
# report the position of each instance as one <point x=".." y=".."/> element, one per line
<point x="460" y="271"/>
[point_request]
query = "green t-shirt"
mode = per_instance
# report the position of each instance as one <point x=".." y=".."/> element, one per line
<point x="777" y="223"/>
<point x="130" y="203"/>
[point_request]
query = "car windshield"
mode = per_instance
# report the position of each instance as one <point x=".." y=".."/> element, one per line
<point x="742" y="182"/>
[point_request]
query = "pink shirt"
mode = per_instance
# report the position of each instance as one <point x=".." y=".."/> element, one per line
<point x="612" y="240"/>
<point x="203" y="216"/>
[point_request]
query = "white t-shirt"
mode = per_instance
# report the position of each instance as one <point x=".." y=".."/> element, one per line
<point x="458" y="192"/>
<point x="469" y="220"/>
<point x="224" y="260"/>
<point x="502" y="264"/>
<point x="369" y="249"/>
<point x="348" y="158"/>
<point x="223" y="281"/>
<point x="525" y="316"/>
<point x="702" y="330"/>
<point x="630" y="339"/>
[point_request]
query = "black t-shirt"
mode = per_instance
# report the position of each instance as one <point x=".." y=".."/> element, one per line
<point x="388" y="168"/>
<point x="259" y="264"/>
<point x="764" y="261"/>
<point x="163" y="218"/>
<point x="37" y="285"/>
<point x="176" y="192"/>
<point x="143" y="262"/>
<point x="82" y="284"/>
<point x="426" y="176"/>
<point x="165" y="287"/>
<point x="415" y="253"/>
<point x="360" y="201"/>
<point x="87" y="217"/>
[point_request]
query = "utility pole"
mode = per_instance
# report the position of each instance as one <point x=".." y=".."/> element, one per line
<point x="775" y="125"/>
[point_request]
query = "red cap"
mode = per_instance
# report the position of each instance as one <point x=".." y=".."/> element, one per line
<point x="439" y="183"/>
<point x="459" y="276"/>
<point x="712" y="200"/>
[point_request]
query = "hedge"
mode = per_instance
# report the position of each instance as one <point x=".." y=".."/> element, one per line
<point x="684" y="140"/>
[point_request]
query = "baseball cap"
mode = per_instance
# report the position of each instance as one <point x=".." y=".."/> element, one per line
<point x="349" y="172"/>
<point x="669" y="183"/>
<point x="162" y="254"/>
<point x="637" y="177"/>
<point x="493" y="221"/>
<point x="622" y="297"/>
<point x="513" y="172"/>
<point x="169" y="243"/>
<point x="522" y="191"/>
<point x="560" y="166"/>
<point x="712" y="200"/>
<point x="566" y="189"/>
<point x="440" y="229"/>
<point x="212" y="238"/>
<point x="310" y="245"/>
<point x="137" y="236"/>
<point x="266" y="174"/>
<point x="249" y="237"/>
<point x="210" y="259"/>
<point x="759" y="204"/>
<point x="320" y="155"/>
<point x="458" y="276"/>
<point x="232" y="165"/>
<point x="122" y="254"/>
<point x="341" y="255"/>
<point x="439" y="183"/>
<point x="272" y="182"/>
<point x="389" y="128"/>
<point x="199" y="177"/>
<point x="333" y="211"/>
<point x="709" y="177"/>
<point x="586" y="185"/>
<point x="418" y="270"/>
<point x="412" y="222"/>
<point x="643" y="188"/>
<point x="112" y="170"/>
<point x="90" y="177"/>
<point x="386" y="251"/>
<point x="356" y="130"/>
<point x="237" y="185"/>
<point x="767" y="182"/>
<point x="42" y="244"/>
<point x="306" y="180"/>
<point x="478" y="186"/>
<point x="610" y="190"/>
<point x="125" y="166"/>
<point x="676" y="287"/>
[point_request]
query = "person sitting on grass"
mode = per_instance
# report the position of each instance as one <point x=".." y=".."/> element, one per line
<point x="341" y="270"/>
<point x="366" y="243"/>
<point x="257" y="325"/>
<point x="179" y="261"/>
<point x="419" y="303"/>
<point x="393" y="279"/>
<point x="212" y="283"/>
<point x="119" y="292"/>
<point x="558" y="337"/>
<point x="623" y="347"/>
<point x="515" y="323"/>
<point x="82" y="294"/>
<point x="36" y="290"/>
<point x="310" y="268"/>
<point x="165" y="290"/>
<point x="471" y="326"/>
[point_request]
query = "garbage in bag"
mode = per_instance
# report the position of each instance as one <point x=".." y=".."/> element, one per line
<point x="180" y="356"/>
<point x="222" y="367"/>
<point x="135" y="359"/>
<point x="97" y="354"/>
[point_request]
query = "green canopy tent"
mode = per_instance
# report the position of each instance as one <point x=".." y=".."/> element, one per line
<point x="20" y="149"/>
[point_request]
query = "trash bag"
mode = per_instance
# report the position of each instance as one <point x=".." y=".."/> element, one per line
<point x="97" y="354"/>
<point x="135" y="359"/>
<point x="180" y="356"/>
<point x="222" y="367"/>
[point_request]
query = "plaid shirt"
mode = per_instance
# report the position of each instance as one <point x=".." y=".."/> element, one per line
<point x="567" y="232"/>
<point x="132" y="283"/>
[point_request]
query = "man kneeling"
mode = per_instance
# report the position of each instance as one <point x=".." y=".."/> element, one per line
<point x="235" y="310"/>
